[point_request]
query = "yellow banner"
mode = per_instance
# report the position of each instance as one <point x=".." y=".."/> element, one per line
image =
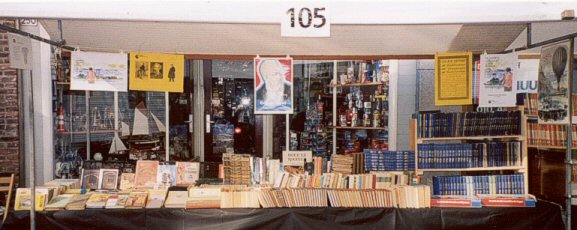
<point x="156" y="72"/>
<point x="453" y="79"/>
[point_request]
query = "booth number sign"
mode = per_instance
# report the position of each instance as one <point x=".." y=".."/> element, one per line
<point x="306" y="22"/>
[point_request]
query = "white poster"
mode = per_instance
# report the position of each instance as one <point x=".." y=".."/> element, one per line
<point x="527" y="76"/>
<point x="99" y="71"/>
<point x="20" y="51"/>
<point x="498" y="72"/>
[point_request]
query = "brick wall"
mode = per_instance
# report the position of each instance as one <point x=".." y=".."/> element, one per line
<point x="9" y="139"/>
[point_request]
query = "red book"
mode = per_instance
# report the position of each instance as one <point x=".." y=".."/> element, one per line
<point x="455" y="202"/>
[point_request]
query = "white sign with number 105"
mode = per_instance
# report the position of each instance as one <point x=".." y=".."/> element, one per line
<point x="306" y="22"/>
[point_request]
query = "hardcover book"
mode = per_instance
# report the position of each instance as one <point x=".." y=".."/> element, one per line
<point x="116" y="201"/>
<point x="90" y="178"/>
<point x="59" y="202"/>
<point x="108" y="179"/>
<point x="176" y="199"/>
<point x="24" y="201"/>
<point x="78" y="202"/>
<point x="97" y="200"/>
<point x="146" y="174"/>
<point x="203" y="198"/>
<point x="136" y="200"/>
<point x="155" y="198"/>
<point x="127" y="181"/>
<point x="187" y="173"/>
<point x="166" y="175"/>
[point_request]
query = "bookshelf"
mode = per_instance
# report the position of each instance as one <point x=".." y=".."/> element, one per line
<point x="362" y="105"/>
<point x="520" y="167"/>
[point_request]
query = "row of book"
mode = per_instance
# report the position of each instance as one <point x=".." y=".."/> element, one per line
<point x="223" y="197"/>
<point x="484" y="200"/>
<point x="382" y="160"/>
<point x="549" y="135"/>
<point x="373" y="180"/>
<point x="399" y="196"/>
<point x="293" y="198"/>
<point x="530" y="103"/>
<point x="465" y="124"/>
<point x="473" y="185"/>
<point x="149" y="174"/>
<point x="469" y="155"/>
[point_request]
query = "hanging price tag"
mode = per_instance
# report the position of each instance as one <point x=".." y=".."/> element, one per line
<point x="306" y="22"/>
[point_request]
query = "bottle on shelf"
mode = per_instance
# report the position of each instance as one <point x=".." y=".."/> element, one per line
<point x="343" y="115"/>
<point x="367" y="112"/>
<point x="377" y="114"/>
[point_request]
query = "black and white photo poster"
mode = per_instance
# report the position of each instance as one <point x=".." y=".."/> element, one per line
<point x="553" y="103"/>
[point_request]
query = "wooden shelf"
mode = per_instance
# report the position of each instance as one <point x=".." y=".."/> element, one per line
<point x="420" y="140"/>
<point x="91" y="131"/>
<point x="548" y="147"/>
<point x="62" y="83"/>
<point x="358" y="84"/>
<point x="472" y="169"/>
<point x="360" y="128"/>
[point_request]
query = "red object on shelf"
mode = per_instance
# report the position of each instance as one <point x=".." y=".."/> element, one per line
<point x="60" y="119"/>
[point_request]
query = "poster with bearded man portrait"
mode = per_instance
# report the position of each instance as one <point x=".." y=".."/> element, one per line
<point x="273" y="86"/>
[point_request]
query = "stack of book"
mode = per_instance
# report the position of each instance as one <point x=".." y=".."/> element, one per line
<point x="400" y="196"/>
<point x="473" y="185"/>
<point x="236" y="168"/>
<point x="342" y="163"/>
<point x="239" y="198"/>
<point x="469" y="155"/>
<point x="292" y="198"/>
<point x="358" y="163"/>
<point x="550" y="135"/>
<point x="374" y="180"/>
<point x="382" y="160"/>
<point x="466" y="124"/>
<point x="203" y="198"/>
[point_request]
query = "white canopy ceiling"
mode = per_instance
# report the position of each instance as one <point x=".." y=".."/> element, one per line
<point x="265" y="39"/>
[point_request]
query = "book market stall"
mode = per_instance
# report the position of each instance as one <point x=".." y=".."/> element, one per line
<point x="430" y="128"/>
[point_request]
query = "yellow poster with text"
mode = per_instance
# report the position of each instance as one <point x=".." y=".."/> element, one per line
<point x="453" y="79"/>
<point x="156" y="72"/>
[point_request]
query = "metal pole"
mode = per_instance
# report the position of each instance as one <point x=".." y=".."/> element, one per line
<point x="32" y="158"/>
<point x="529" y="32"/>
<point x="568" y="164"/>
<point x="335" y="106"/>
<point x="167" y="127"/>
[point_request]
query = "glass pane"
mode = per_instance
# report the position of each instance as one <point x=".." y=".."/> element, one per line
<point x="234" y="122"/>
<point x="70" y="138"/>
<point x="180" y="138"/>
<point x="311" y="122"/>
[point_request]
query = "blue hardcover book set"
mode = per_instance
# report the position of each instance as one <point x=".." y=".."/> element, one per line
<point x="474" y="185"/>
<point x="383" y="160"/>
<point x="469" y="155"/>
<point x="467" y="124"/>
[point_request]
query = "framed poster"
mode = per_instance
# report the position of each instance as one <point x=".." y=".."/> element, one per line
<point x="98" y="71"/>
<point x="20" y="54"/>
<point x="273" y="85"/>
<point x="553" y="89"/>
<point x="453" y="79"/>
<point x="498" y="78"/>
<point x="156" y="72"/>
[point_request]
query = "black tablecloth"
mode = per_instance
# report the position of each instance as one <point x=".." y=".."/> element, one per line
<point x="544" y="216"/>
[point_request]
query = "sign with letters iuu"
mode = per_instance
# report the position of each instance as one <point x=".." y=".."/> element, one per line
<point x="306" y="21"/>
